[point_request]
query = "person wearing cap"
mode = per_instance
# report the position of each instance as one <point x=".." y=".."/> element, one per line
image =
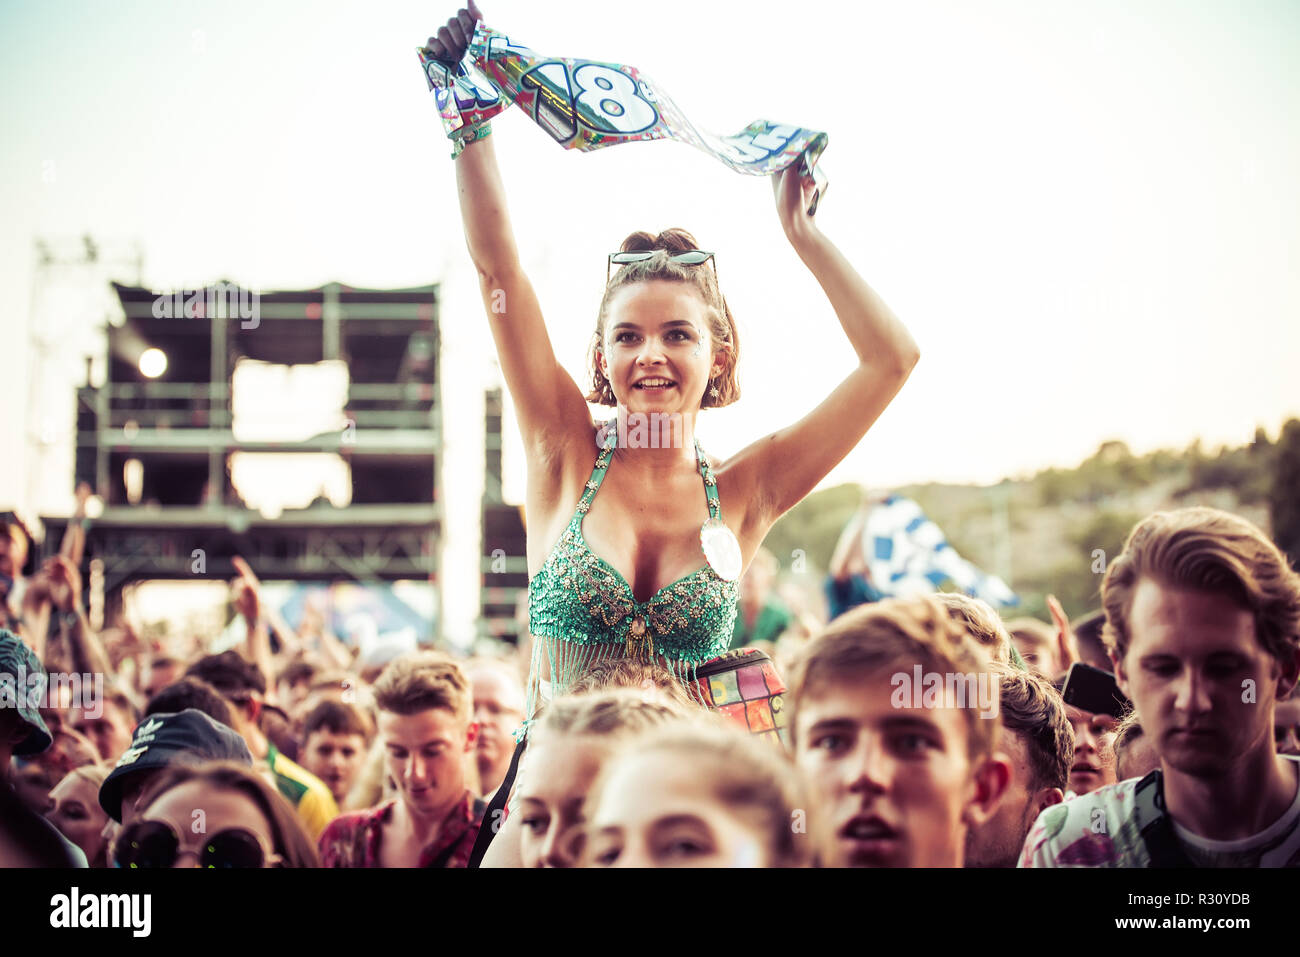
<point x="242" y="683"/>
<point x="26" y="838"/>
<point x="161" y="740"/>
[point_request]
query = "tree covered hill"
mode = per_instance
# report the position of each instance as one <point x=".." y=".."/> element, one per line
<point x="1055" y="531"/>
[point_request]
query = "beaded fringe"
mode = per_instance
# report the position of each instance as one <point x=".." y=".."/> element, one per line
<point x="569" y="661"/>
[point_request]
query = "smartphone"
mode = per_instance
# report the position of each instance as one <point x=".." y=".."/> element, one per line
<point x="1091" y="689"/>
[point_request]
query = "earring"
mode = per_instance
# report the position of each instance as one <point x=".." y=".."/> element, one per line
<point x="713" y="391"/>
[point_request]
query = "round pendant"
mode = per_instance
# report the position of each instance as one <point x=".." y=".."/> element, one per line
<point x="721" y="549"/>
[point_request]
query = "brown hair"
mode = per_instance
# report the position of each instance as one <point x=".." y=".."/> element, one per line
<point x="119" y="698"/>
<point x="289" y="839"/>
<point x="1038" y="632"/>
<point x="897" y="633"/>
<point x="191" y="693"/>
<point x="1205" y="549"/>
<point x="423" y="681"/>
<point x="981" y="623"/>
<point x="605" y="713"/>
<point x="1034" y="711"/>
<point x="610" y="673"/>
<point x="1129" y="730"/>
<point x="704" y="278"/>
<point x="751" y="778"/>
<point x="335" y="718"/>
<point x="298" y="671"/>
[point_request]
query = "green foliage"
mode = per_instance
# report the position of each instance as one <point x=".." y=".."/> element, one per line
<point x="1284" y="495"/>
<point x="1054" y="547"/>
<point x="814" y="526"/>
<point x="1106" y="531"/>
<point x="1247" y="471"/>
<point x="1114" y="471"/>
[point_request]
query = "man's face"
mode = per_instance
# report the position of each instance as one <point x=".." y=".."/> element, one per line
<point x="1204" y="685"/>
<point x="1094" y="750"/>
<point x="110" y="732"/>
<point x="1040" y="655"/>
<point x="335" y="759"/>
<point x="498" y="710"/>
<point x="997" y="842"/>
<point x="425" y="753"/>
<point x="32" y="783"/>
<point x="889" y="787"/>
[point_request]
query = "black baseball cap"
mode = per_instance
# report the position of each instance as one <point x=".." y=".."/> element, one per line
<point x="161" y="740"/>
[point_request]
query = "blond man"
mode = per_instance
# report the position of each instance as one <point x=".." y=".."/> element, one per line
<point x="895" y="730"/>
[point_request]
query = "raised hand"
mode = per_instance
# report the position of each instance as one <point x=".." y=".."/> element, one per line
<point x="451" y="41"/>
<point x="1066" y="643"/>
<point x="794" y="192"/>
<point x="245" y="591"/>
<point x="83" y="494"/>
<point x="64" y="584"/>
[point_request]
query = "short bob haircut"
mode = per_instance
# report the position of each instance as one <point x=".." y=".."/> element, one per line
<point x="289" y="838"/>
<point x="704" y="278"/>
<point x="1205" y="549"/>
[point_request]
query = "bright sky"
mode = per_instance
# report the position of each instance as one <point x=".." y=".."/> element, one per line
<point x="1088" y="215"/>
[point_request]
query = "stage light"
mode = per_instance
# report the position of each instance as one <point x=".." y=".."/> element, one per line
<point x="153" y="363"/>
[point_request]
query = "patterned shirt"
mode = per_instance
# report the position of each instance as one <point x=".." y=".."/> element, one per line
<point x="1100" y="829"/>
<point x="354" y="839"/>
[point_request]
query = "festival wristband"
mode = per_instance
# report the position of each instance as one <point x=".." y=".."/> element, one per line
<point x="586" y="105"/>
<point x="469" y="134"/>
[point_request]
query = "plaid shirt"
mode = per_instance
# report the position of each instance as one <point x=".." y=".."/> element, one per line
<point x="354" y="839"/>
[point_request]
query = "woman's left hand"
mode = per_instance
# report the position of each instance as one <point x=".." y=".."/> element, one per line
<point x="794" y="192"/>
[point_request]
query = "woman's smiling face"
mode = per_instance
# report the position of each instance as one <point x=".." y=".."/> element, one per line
<point x="657" y="352"/>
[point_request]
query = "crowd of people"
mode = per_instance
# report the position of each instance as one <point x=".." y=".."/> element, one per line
<point x="667" y="704"/>
<point x="883" y="750"/>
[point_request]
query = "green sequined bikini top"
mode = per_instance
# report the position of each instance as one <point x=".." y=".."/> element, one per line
<point x="587" y="609"/>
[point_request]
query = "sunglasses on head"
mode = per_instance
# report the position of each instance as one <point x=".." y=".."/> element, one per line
<point x="692" y="257"/>
<point x="154" y="844"/>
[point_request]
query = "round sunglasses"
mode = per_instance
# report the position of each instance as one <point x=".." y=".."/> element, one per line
<point x="154" y="844"/>
<point x="692" y="257"/>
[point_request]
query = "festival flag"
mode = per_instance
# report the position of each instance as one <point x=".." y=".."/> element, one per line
<point x="590" y="104"/>
<point x="907" y="554"/>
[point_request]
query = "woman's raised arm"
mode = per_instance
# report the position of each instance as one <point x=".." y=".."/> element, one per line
<point x="548" y="403"/>
<point x="785" y="466"/>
